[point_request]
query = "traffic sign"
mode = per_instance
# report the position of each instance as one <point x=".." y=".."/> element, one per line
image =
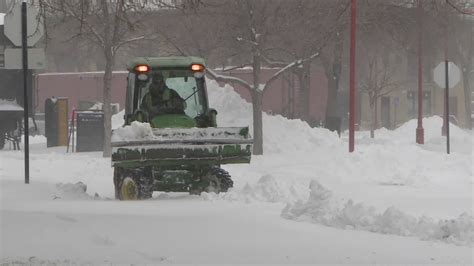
<point x="454" y="75"/>
<point x="12" y="27"/>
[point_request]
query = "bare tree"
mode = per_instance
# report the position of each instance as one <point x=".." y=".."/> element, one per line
<point x="256" y="25"/>
<point x="285" y="35"/>
<point x="463" y="31"/>
<point x="453" y="29"/>
<point x="377" y="82"/>
<point x="111" y="25"/>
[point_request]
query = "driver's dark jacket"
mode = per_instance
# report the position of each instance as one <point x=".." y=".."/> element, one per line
<point x="168" y="102"/>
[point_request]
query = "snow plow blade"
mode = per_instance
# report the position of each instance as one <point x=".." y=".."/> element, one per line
<point x="182" y="146"/>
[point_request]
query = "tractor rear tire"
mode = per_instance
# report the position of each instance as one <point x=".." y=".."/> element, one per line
<point x="217" y="180"/>
<point x="225" y="181"/>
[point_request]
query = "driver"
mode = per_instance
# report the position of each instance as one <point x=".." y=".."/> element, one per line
<point x="161" y="100"/>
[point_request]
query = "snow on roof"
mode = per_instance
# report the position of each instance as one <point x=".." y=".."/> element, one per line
<point x="81" y="73"/>
<point x="6" y="105"/>
<point x="1" y="18"/>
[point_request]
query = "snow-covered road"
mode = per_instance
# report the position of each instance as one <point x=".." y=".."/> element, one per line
<point x="270" y="217"/>
<point x="188" y="229"/>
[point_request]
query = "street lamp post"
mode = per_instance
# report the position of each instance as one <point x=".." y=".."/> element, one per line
<point x="420" y="139"/>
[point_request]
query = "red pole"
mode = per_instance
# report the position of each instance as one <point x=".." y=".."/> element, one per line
<point x="352" y="77"/>
<point x="420" y="139"/>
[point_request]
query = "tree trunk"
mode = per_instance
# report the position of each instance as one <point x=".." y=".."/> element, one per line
<point x="257" y="123"/>
<point x="467" y="97"/>
<point x="109" y="64"/>
<point x="332" y="120"/>
<point x="333" y="73"/>
<point x="374" y="119"/>
<point x="305" y="91"/>
<point x="257" y="107"/>
<point x="372" y="126"/>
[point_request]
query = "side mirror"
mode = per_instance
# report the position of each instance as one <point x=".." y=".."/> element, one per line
<point x="142" y="77"/>
<point x="212" y="116"/>
<point x="208" y="119"/>
<point x="128" y="119"/>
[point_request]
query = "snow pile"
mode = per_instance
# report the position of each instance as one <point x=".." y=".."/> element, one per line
<point x="271" y="189"/>
<point x="432" y="128"/>
<point x="268" y="189"/>
<point x="6" y="105"/>
<point x="279" y="133"/>
<point x="232" y="109"/>
<point x="69" y="191"/>
<point x="136" y="131"/>
<point x="293" y="135"/>
<point x="322" y="208"/>
<point x="461" y="140"/>
<point x="118" y="119"/>
<point x="36" y="139"/>
<point x="97" y="106"/>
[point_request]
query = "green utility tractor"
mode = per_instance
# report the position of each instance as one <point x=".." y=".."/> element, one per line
<point x="182" y="151"/>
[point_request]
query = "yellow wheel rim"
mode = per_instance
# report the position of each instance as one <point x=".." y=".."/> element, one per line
<point x="129" y="189"/>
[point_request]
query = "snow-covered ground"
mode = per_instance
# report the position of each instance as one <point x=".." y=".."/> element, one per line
<point x="307" y="200"/>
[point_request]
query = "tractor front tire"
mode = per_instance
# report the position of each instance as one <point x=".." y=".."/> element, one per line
<point x="132" y="185"/>
<point x="2" y="140"/>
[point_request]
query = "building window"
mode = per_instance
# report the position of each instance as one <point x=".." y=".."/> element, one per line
<point x="412" y="97"/>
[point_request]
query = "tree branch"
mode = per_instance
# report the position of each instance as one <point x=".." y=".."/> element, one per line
<point x="228" y="79"/>
<point x="287" y="68"/>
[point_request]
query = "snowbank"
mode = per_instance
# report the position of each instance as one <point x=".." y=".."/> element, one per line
<point x="6" y="105"/>
<point x="118" y="119"/>
<point x="70" y="191"/>
<point x="322" y="208"/>
<point x="287" y="135"/>
<point x="280" y="134"/>
<point x="461" y="140"/>
<point x="269" y="188"/>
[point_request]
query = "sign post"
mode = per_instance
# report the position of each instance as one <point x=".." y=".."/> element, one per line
<point x="24" y="41"/>
<point x="420" y="133"/>
<point x="446" y="99"/>
<point x="352" y="92"/>
<point x="447" y="76"/>
<point x="24" y="28"/>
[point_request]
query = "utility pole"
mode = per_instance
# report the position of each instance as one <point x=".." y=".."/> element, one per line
<point x="420" y="138"/>
<point x="352" y="89"/>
